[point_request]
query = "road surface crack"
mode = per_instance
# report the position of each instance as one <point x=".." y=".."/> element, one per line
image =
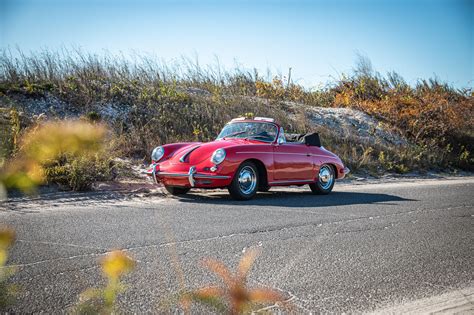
<point x="292" y="300"/>
<point x="60" y="244"/>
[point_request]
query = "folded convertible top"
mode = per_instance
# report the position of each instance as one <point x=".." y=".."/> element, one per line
<point x="311" y="139"/>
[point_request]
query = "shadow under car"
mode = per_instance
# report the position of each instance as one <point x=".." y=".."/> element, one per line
<point x="294" y="199"/>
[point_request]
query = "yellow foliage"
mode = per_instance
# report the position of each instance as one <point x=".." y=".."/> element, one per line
<point x="249" y="115"/>
<point x="7" y="291"/>
<point x="116" y="264"/>
<point x="7" y="237"/>
<point x="422" y="113"/>
<point x="343" y="98"/>
<point x="45" y="143"/>
<point x="102" y="300"/>
<point x="71" y="137"/>
<point x="276" y="90"/>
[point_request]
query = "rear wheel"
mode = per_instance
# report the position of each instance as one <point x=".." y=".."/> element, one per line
<point x="176" y="191"/>
<point x="245" y="182"/>
<point x="325" y="181"/>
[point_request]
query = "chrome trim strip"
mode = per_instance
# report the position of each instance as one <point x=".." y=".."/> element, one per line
<point x="172" y="174"/>
<point x="292" y="181"/>
<point x="247" y="138"/>
<point x="264" y="119"/>
<point x="256" y="152"/>
<point x="291" y="153"/>
<point x="202" y="176"/>
<point x="346" y="170"/>
<point x="196" y="175"/>
<point x="250" y="138"/>
<point x="325" y="156"/>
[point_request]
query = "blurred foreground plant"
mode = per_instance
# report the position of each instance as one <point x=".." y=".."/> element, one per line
<point x="102" y="300"/>
<point x="45" y="144"/>
<point x="233" y="297"/>
<point x="7" y="291"/>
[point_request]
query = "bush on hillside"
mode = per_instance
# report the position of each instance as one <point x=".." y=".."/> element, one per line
<point x="79" y="173"/>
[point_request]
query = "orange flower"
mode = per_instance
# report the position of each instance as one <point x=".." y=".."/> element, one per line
<point x="234" y="292"/>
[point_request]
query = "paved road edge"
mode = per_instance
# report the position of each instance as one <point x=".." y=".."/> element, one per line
<point x="456" y="302"/>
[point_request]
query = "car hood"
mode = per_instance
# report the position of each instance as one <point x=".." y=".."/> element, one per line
<point x="196" y="152"/>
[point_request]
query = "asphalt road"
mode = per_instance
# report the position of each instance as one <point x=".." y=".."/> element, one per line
<point x="362" y="248"/>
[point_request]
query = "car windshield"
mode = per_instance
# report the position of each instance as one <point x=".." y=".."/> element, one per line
<point x="265" y="132"/>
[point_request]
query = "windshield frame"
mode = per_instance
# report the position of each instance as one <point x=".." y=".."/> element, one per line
<point x="250" y="138"/>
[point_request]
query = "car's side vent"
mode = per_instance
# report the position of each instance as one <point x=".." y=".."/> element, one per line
<point x="183" y="158"/>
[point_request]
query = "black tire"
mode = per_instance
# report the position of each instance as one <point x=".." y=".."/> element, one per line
<point x="176" y="191"/>
<point x="264" y="188"/>
<point x="248" y="175"/>
<point x="325" y="181"/>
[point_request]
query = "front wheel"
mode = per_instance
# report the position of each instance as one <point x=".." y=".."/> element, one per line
<point x="325" y="181"/>
<point x="245" y="182"/>
<point x="176" y="191"/>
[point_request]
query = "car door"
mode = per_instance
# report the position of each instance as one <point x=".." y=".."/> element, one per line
<point x="292" y="161"/>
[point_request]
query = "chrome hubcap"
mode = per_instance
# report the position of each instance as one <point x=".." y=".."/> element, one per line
<point x="247" y="180"/>
<point x="326" y="177"/>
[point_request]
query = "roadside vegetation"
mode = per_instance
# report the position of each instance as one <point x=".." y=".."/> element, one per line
<point x="144" y="102"/>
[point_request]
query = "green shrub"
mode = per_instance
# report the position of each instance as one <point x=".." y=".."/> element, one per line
<point x="79" y="173"/>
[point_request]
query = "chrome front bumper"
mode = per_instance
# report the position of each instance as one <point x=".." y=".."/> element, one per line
<point x="192" y="175"/>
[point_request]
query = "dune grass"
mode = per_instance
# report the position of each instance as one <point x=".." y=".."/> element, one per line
<point x="185" y="100"/>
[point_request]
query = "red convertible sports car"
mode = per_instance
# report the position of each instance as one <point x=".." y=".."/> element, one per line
<point x="249" y="155"/>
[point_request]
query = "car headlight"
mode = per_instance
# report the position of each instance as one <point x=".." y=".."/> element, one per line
<point x="218" y="156"/>
<point x="157" y="153"/>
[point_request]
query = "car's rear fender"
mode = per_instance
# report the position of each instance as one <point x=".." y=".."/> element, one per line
<point x="323" y="156"/>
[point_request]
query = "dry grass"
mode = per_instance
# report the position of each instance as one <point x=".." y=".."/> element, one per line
<point x="432" y="115"/>
<point x="188" y="101"/>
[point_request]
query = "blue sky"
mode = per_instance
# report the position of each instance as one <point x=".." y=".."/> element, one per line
<point x="318" y="39"/>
